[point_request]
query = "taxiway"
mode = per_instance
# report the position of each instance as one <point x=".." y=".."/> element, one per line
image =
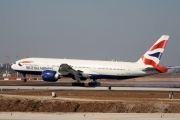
<point x="2" y="88"/>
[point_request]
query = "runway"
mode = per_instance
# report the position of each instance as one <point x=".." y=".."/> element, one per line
<point x="87" y="116"/>
<point x="3" y="88"/>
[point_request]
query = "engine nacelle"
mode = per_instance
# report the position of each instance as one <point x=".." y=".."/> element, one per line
<point x="50" y="75"/>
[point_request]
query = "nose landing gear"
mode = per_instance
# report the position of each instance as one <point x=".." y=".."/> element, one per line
<point x="24" y="78"/>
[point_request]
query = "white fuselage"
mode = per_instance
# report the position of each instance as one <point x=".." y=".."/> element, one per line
<point x="53" y="69"/>
<point x="94" y="69"/>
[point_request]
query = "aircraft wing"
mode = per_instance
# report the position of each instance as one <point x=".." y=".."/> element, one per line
<point x="65" y="68"/>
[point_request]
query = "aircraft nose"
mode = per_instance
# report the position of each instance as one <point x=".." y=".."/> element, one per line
<point x="13" y="66"/>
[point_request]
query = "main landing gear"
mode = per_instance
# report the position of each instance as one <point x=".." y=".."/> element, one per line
<point x="90" y="84"/>
<point x="81" y="84"/>
<point x="94" y="83"/>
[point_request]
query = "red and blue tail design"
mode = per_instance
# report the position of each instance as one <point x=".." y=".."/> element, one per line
<point x="153" y="55"/>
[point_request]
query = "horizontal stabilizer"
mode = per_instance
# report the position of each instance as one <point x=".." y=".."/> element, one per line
<point x="160" y="69"/>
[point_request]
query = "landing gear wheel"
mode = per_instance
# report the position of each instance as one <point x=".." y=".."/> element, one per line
<point x="23" y="77"/>
<point x="24" y="80"/>
<point x="93" y="84"/>
<point x="78" y="84"/>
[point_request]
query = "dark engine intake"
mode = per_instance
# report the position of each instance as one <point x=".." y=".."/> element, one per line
<point x="50" y="76"/>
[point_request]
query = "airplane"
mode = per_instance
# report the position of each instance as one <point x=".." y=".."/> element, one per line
<point x="52" y="69"/>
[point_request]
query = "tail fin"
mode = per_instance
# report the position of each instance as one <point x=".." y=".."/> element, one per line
<point x="153" y="55"/>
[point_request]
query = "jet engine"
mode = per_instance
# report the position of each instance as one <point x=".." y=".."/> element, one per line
<point x="50" y="75"/>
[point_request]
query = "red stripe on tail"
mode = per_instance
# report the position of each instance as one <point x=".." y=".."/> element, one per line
<point x="161" y="44"/>
<point x="160" y="69"/>
<point x="148" y="61"/>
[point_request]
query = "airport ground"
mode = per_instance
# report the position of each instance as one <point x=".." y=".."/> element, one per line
<point x="87" y="116"/>
<point x="104" y="101"/>
<point x="90" y="101"/>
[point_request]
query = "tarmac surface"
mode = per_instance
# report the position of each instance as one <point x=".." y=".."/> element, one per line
<point x="87" y="116"/>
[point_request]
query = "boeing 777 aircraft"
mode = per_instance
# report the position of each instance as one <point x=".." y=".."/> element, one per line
<point x="53" y="69"/>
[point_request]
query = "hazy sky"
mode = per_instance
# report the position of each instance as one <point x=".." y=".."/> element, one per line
<point x="88" y="29"/>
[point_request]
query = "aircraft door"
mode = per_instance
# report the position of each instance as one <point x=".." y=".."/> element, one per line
<point x="127" y="70"/>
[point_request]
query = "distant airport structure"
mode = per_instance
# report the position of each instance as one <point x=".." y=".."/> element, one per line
<point x="176" y="70"/>
<point x="1" y="65"/>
